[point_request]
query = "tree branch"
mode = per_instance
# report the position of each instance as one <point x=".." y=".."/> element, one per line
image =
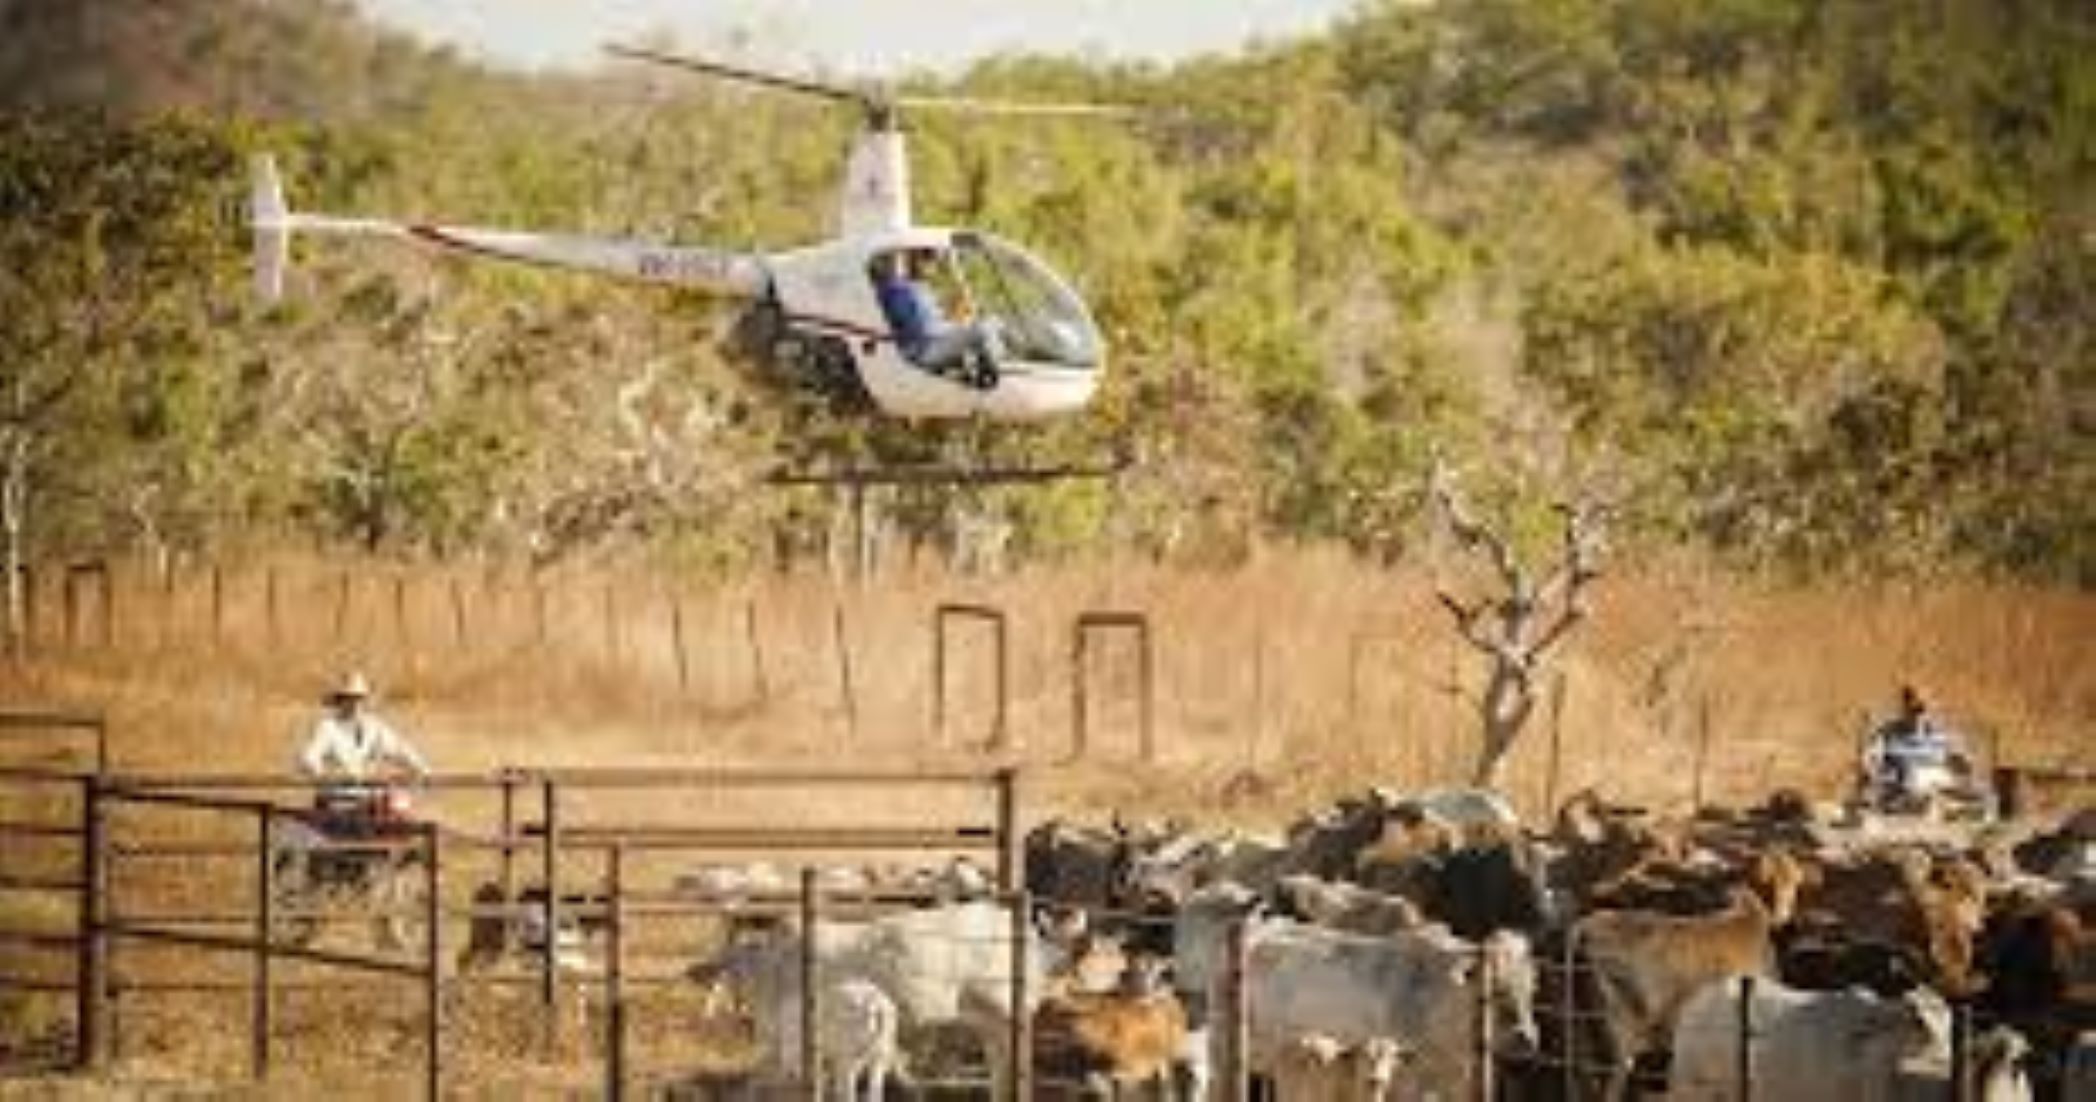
<point x="1472" y="533"/>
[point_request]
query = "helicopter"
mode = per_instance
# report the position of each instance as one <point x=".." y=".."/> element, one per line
<point x="1029" y="348"/>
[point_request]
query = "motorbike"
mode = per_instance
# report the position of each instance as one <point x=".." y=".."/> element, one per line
<point x="356" y="853"/>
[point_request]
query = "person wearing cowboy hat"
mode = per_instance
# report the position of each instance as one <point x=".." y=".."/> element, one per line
<point x="350" y="745"/>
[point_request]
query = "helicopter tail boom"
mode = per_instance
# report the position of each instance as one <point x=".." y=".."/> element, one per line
<point x="714" y="270"/>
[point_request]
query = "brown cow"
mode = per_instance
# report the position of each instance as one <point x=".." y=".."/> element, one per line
<point x="2040" y="958"/>
<point x="1640" y="967"/>
<point x="1679" y="888"/>
<point x="1933" y="907"/>
<point x="1133" y="1035"/>
<point x="1602" y="842"/>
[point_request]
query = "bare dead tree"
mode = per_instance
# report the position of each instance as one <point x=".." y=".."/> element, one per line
<point x="1519" y="624"/>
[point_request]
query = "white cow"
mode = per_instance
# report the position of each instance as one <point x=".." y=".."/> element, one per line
<point x="1417" y="986"/>
<point x="1421" y="986"/>
<point x="1841" y="1046"/>
<point x="857" y="1024"/>
<point x="946" y="965"/>
<point x="1997" y="1071"/>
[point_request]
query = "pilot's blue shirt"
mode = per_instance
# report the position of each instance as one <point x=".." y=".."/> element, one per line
<point x="912" y="311"/>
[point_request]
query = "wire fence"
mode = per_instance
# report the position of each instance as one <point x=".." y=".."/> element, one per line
<point x="1172" y="677"/>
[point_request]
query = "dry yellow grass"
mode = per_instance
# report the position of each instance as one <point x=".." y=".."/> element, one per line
<point x="1277" y="686"/>
<point x="1306" y="668"/>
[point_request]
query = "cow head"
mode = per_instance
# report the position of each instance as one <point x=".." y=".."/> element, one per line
<point x="1375" y="1065"/>
<point x="1776" y="877"/>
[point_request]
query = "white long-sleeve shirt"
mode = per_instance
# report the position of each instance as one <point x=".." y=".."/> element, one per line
<point x="356" y="747"/>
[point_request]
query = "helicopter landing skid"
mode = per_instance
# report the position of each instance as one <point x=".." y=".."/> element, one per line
<point x="941" y="474"/>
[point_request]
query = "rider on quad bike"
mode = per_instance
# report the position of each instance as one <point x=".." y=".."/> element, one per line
<point x="356" y="843"/>
<point x="1914" y="765"/>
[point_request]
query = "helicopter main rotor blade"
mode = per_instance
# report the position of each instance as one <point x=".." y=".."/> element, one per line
<point x="799" y="85"/>
<point x="971" y="105"/>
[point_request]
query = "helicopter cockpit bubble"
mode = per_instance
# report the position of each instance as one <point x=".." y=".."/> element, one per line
<point x="1038" y="319"/>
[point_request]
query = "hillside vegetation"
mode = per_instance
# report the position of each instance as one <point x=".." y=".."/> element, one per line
<point x="1804" y="286"/>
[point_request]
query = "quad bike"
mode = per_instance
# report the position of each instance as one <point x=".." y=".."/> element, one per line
<point x="356" y="853"/>
<point x="1940" y="784"/>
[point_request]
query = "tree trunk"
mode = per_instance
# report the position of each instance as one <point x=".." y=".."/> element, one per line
<point x="1508" y="701"/>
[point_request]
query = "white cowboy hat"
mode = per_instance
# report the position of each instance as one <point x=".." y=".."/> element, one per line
<point x="353" y="686"/>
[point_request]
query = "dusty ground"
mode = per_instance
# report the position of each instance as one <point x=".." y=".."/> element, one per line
<point x="1275" y="688"/>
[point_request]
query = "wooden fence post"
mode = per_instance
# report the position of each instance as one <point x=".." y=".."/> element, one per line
<point x="615" y="977"/>
<point x="272" y="619"/>
<point x="265" y="925"/>
<point x="1745" y="1070"/>
<point x="1258" y="710"/>
<point x="108" y="609"/>
<point x="1483" y="1052"/>
<point x="508" y="780"/>
<point x="677" y="647"/>
<point x="760" y="679"/>
<point x="433" y="992"/>
<point x="168" y="603"/>
<point x="1019" y="1073"/>
<point x="458" y="613"/>
<point x="218" y="605"/>
<point x="1960" y="1051"/>
<point x="847" y="692"/>
<point x="402" y="625"/>
<point x="1011" y="868"/>
<point x="342" y="590"/>
<point x="1235" y="1016"/>
<point x="91" y="1025"/>
<point x="1702" y="766"/>
<point x="538" y="612"/>
<point x="70" y="602"/>
<point x="811" y="987"/>
<point x="1568" y="1015"/>
<point x="549" y="876"/>
<point x="30" y="615"/>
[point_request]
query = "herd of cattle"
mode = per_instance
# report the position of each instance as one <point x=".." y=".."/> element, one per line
<point x="1431" y="946"/>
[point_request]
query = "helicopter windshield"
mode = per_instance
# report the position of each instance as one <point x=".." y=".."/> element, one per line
<point x="1038" y="318"/>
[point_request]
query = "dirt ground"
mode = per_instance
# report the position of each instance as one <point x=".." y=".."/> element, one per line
<point x="1274" y="690"/>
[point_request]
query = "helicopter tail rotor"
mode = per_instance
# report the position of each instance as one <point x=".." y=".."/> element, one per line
<point x="270" y="218"/>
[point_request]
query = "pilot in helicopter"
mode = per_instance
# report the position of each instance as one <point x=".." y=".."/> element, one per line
<point x="922" y="330"/>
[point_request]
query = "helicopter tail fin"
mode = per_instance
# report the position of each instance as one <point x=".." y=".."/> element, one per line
<point x="270" y="219"/>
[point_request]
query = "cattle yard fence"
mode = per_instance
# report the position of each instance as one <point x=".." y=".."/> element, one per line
<point x="138" y="874"/>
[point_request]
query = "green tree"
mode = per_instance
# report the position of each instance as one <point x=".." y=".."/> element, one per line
<point x="113" y="266"/>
